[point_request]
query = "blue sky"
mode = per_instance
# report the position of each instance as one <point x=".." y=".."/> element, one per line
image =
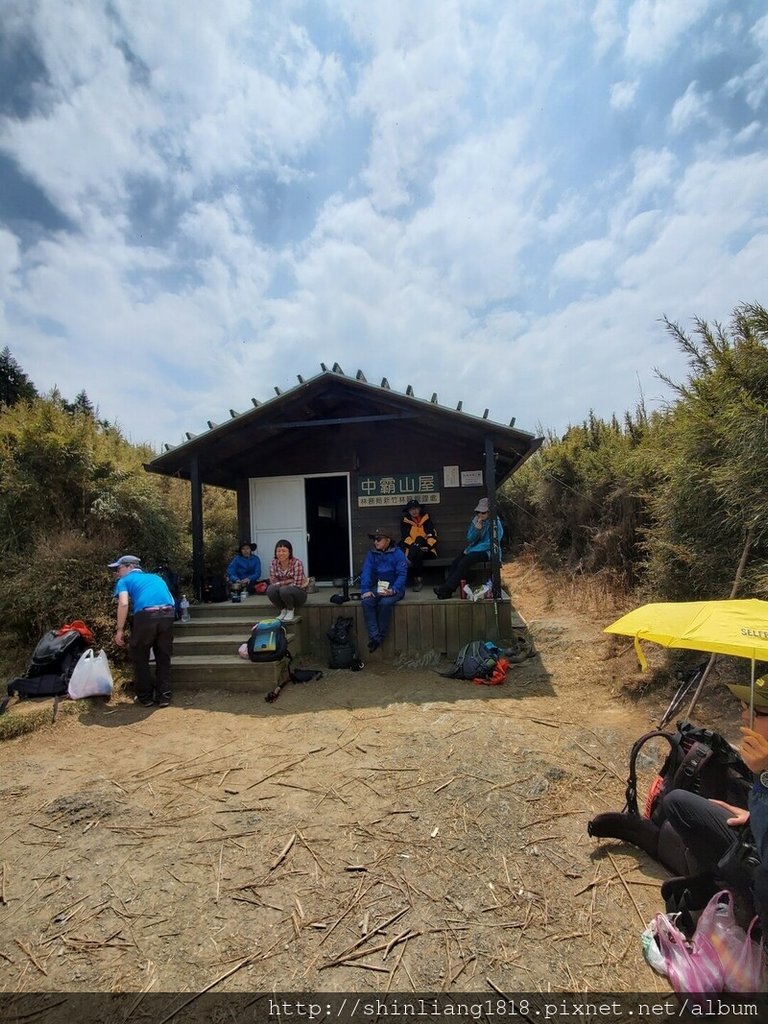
<point x="489" y="199"/>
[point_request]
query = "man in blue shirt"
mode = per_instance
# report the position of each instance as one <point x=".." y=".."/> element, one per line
<point x="478" y="549"/>
<point x="152" y="604"/>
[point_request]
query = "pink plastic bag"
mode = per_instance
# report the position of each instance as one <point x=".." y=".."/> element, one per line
<point x="691" y="967"/>
<point x="741" y="959"/>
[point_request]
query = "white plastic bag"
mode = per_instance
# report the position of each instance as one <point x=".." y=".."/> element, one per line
<point x="91" y="677"/>
<point x="653" y="955"/>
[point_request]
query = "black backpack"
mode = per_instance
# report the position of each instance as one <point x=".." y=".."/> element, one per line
<point x="700" y="761"/>
<point x="53" y="662"/>
<point x="343" y="650"/>
<point x="475" y="660"/>
<point x="268" y="641"/>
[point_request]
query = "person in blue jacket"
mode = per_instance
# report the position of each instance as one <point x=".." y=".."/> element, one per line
<point x="244" y="571"/>
<point x="478" y="549"/>
<point x="382" y="585"/>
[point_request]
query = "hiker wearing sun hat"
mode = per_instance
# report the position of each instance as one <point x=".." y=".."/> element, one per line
<point x="382" y="585"/>
<point x="478" y="548"/>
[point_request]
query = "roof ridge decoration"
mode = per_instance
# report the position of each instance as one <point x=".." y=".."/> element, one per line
<point x="360" y="378"/>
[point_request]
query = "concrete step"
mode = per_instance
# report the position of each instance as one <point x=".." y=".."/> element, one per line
<point x="257" y="607"/>
<point x="233" y="624"/>
<point x="230" y="625"/>
<point x="226" y="672"/>
<point x="218" y="643"/>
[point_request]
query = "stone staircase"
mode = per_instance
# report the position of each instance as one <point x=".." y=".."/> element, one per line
<point x="205" y="648"/>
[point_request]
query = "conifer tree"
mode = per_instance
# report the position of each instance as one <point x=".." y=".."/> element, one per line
<point x="15" y="385"/>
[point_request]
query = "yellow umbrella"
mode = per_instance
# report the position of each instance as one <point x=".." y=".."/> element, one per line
<point x="738" y="628"/>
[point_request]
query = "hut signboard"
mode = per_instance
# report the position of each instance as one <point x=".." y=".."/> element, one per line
<point x="395" y="489"/>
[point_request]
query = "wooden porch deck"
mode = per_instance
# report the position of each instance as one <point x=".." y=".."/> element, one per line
<point x="423" y="629"/>
<point x="421" y="624"/>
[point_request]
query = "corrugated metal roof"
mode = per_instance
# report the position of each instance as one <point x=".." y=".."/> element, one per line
<point x="281" y="397"/>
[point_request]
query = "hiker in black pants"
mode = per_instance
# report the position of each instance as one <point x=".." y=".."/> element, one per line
<point x="418" y="539"/>
<point x="154" y="611"/>
<point x="478" y="549"/>
<point x="710" y="828"/>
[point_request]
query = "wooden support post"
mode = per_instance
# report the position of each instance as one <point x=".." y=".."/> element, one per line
<point x="490" y="482"/>
<point x="197" y="527"/>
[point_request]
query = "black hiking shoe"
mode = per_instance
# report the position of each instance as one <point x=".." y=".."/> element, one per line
<point x="144" y="702"/>
<point x="164" y="700"/>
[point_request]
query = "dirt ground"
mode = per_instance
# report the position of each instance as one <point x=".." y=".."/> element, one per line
<point x="387" y="830"/>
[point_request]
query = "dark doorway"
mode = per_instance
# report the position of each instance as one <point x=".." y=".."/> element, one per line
<point x="327" y="527"/>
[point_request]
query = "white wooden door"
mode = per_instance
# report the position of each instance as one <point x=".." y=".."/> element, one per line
<point x="278" y="511"/>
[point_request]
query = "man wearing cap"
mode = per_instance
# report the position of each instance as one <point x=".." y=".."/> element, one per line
<point x="709" y="828"/>
<point x="148" y="596"/>
<point x="418" y="539"/>
<point x="478" y="549"/>
<point x="382" y="585"/>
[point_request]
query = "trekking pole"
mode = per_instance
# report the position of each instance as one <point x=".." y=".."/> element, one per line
<point x="734" y="591"/>
<point x="495" y="548"/>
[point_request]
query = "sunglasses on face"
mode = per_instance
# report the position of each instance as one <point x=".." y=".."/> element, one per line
<point x="759" y="712"/>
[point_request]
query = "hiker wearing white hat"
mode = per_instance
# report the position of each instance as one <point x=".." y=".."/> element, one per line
<point x="478" y="549"/>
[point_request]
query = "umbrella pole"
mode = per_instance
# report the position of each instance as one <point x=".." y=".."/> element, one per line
<point x="713" y="657"/>
<point x="700" y="687"/>
<point x="752" y="698"/>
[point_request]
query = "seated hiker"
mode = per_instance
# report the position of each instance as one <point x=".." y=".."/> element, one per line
<point x="244" y="571"/>
<point x="710" y="828"/>
<point x="418" y="539"/>
<point x="382" y="585"/>
<point x="478" y="549"/>
<point x="287" y="583"/>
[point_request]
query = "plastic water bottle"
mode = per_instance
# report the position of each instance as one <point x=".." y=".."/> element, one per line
<point x="184" y="606"/>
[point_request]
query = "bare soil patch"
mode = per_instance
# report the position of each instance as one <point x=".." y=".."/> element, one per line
<point x="388" y="830"/>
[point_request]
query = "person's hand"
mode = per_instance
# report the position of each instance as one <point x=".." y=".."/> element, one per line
<point x="740" y="815"/>
<point x="368" y="593"/>
<point x="120" y="638"/>
<point x="754" y="749"/>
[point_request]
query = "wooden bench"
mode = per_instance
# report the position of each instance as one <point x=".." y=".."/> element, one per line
<point x="442" y="565"/>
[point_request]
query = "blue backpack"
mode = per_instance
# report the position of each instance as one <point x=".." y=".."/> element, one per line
<point x="475" y="660"/>
<point x="268" y="641"/>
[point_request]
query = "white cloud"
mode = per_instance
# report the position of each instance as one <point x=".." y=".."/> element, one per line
<point x="753" y="81"/>
<point x="606" y="24"/>
<point x="9" y="260"/>
<point x="439" y="194"/>
<point x="588" y="261"/>
<point x="688" y="109"/>
<point x="656" y="26"/>
<point x="623" y="95"/>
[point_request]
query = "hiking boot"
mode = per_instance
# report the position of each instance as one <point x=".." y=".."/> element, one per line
<point x="144" y="702"/>
<point x="283" y="613"/>
<point x="698" y="888"/>
<point x="289" y="616"/>
<point x="164" y="700"/>
<point x="418" y="584"/>
<point x="373" y="645"/>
